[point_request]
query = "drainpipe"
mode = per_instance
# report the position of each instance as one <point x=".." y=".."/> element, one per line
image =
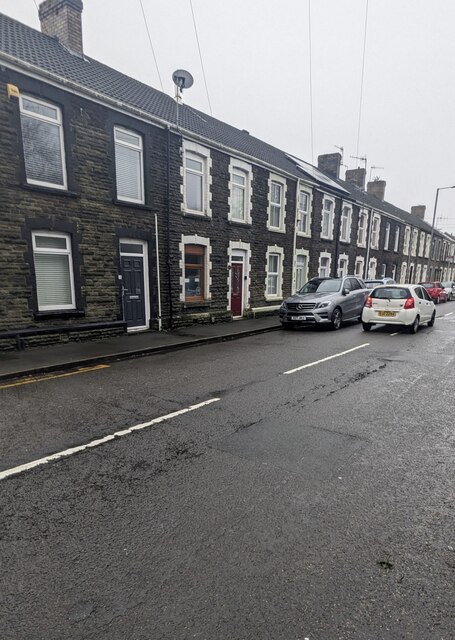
<point x="168" y="261"/>
<point x="160" y="322"/>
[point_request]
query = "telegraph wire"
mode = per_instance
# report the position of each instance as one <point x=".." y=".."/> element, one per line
<point x="151" y="45"/>
<point x="200" y="57"/>
<point x="311" y="81"/>
<point x="363" y="73"/>
<point x="36" y="5"/>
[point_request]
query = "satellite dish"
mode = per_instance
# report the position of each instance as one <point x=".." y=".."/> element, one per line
<point x="182" y="79"/>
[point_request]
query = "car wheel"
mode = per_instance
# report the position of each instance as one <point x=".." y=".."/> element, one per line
<point x="336" y="319"/>
<point x="414" y="326"/>
<point x="366" y="326"/>
<point x="433" y="318"/>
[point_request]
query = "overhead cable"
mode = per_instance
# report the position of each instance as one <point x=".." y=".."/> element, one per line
<point x="363" y="73"/>
<point x="151" y="45"/>
<point x="311" y="81"/>
<point x="200" y="57"/>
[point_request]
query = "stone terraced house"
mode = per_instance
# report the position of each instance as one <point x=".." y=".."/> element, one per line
<point x="121" y="210"/>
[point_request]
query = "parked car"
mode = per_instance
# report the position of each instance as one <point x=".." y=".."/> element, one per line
<point x="449" y="288"/>
<point x="371" y="284"/>
<point x="324" y="301"/>
<point x="436" y="291"/>
<point x="409" y="305"/>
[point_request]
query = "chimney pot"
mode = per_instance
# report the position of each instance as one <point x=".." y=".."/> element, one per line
<point x="62" y="19"/>
<point x="377" y="188"/>
<point x="330" y="163"/>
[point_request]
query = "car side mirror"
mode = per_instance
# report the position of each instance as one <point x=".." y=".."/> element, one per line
<point x="346" y="291"/>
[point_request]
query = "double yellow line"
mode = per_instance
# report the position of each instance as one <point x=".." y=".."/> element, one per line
<point x="54" y="377"/>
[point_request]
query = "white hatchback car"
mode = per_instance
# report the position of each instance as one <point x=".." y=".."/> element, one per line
<point x="405" y="304"/>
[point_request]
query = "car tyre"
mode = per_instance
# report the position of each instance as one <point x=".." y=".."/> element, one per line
<point x="433" y="318"/>
<point x="366" y="326"/>
<point x="415" y="325"/>
<point x="337" y="318"/>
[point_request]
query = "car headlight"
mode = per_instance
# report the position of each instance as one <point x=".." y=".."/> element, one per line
<point x="323" y="305"/>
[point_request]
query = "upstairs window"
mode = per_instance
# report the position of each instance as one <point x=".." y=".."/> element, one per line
<point x="397" y="239"/>
<point x="303" y="224"/>
<point x="129" y="166"/>
<point x="362" y="237"/>
<point x="375" y="232"/>
<point x="196" y="179"/>
<point x="42" y="136"/>
<point x="327" y="219"/>
<point x="276" y="205"/>
<point x="240" y="191"/>
<point x="415" y="236"/>
<point x="345" y="227"/>
<point x="407" y="236"/>
<point x="387" y="235"/>
<point x="53" y="270"/>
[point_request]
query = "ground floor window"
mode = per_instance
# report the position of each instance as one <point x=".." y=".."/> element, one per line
<point x="301" y="265"/>
<point x="194" y="272"/>
<point x="53" y="270"/>
<point x="372" y="269"/>
<point x="343" y="266"/>
<point x="359" y="267"/>
<point x="274" y="272"/>
<point x="324" y="265"/>
<point x="383" y="270"/>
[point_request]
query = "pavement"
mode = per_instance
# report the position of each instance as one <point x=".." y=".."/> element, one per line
<point x="16" y="364"/>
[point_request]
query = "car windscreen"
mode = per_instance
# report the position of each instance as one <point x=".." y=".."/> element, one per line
<point x="322" y="286"/>
<point x="391" y="293"/>
<point x="428" y="285"/>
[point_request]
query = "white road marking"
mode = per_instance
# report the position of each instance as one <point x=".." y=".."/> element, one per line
<point x="335" y="355"/>
<point x="394" y="334"/>
<point x="96" y="443"/>
<point x="448" y="314"/>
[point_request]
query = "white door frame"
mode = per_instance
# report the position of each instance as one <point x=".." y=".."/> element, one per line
<point x="145" y="262"/>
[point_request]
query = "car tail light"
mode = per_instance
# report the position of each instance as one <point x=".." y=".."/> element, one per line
<point x="409" y="304"/>
<point x="368" y="302"/>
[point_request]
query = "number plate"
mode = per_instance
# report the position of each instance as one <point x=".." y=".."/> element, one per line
<point x="297" y="318"/>
<point x="387" y="314"/>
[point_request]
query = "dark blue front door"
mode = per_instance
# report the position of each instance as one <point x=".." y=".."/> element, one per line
<point x="133" y="290"/>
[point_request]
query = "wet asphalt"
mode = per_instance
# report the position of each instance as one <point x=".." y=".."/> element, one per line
<point x="318" y="504"/>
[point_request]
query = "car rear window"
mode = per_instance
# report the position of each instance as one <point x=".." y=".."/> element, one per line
<point x="428" y="285"/>
<point x="391" y="293"/>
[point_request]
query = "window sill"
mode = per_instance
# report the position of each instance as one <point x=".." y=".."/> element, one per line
<point x="240" y="223"/>
<point x="303" y="234"/>
<point x="273" y="298"/>
<point x="197" y="216"/>
<point x="59" y="313"/>
<point x="326" y="238"/>
<point x="131" y="205"/>
<point x="345" y="241"/>
<point x="200" y="304"/>
<point x="276" y="230"/>
<point x="49" y="190"/>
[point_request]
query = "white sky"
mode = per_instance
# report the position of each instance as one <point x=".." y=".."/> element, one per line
<point x="256" y="58"/>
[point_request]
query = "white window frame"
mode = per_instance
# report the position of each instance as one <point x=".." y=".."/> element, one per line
<point x="274" y="178"/>
<point x="322" y="256"/>
<point x="383" y="270"/>
<point x="397" y="238"/>
<point x="415" y="238"/>
<point x="342" y="273"/>
<point x="387" y="236"/>
<point x="359" y="260"/>
<point x="403" y="272"/>
<point x="306" y="254"/>
<point x="306" y="233"/>
<point x="140" y="149"/>
<point x="205" y="242"/>
<point x="375" y="231"/>
<point x="274" y="250"/>
<point x="58" y="122"/>
<point x="428" y="244"/>
<point x="67" y="252"/>
<point x="422" y="244"/>
<point x="330" y="215"/>
<point x="372" y="269"/>
<point x="245" y="169"/>
<point x="394" y="271"/>
<point x="407" y="238"/>
<point x="346" y="208"/>
<point x="418" y="273"/>
<point x="199" y="153"/>
<point x="363" y="215"/>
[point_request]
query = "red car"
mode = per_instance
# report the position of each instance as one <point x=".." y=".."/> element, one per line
<point x="436" y="291"/>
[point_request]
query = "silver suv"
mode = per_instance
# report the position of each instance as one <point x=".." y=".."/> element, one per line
<point x="327" y="301"/>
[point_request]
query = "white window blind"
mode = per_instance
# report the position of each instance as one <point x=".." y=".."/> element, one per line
<point x="129" y="166"/>
<point x="276" y="197"/>
<point x="273" y="274"/>
<point x="42" y="136"/>
<point x="53" y="271"/>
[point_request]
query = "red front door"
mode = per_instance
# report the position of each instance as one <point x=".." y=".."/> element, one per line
<point x="236" y="288"/>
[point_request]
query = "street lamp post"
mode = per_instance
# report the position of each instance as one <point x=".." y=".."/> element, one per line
<point x="432" y="226"/>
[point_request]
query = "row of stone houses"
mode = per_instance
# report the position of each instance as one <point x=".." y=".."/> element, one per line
<point x="121" y="209"/>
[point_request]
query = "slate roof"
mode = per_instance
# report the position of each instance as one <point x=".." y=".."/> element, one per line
<point x="33" y="47"/>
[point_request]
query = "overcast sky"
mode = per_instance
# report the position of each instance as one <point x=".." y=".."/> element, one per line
<point x="256" y="58"/>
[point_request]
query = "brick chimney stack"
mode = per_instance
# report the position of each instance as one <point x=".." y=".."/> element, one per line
<point x="419" y="211"/>
<point x="62" y="19"/>
<point x="357" y="177"/>
<point x="330" y="163"/>
<point x="377" y="188"/>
